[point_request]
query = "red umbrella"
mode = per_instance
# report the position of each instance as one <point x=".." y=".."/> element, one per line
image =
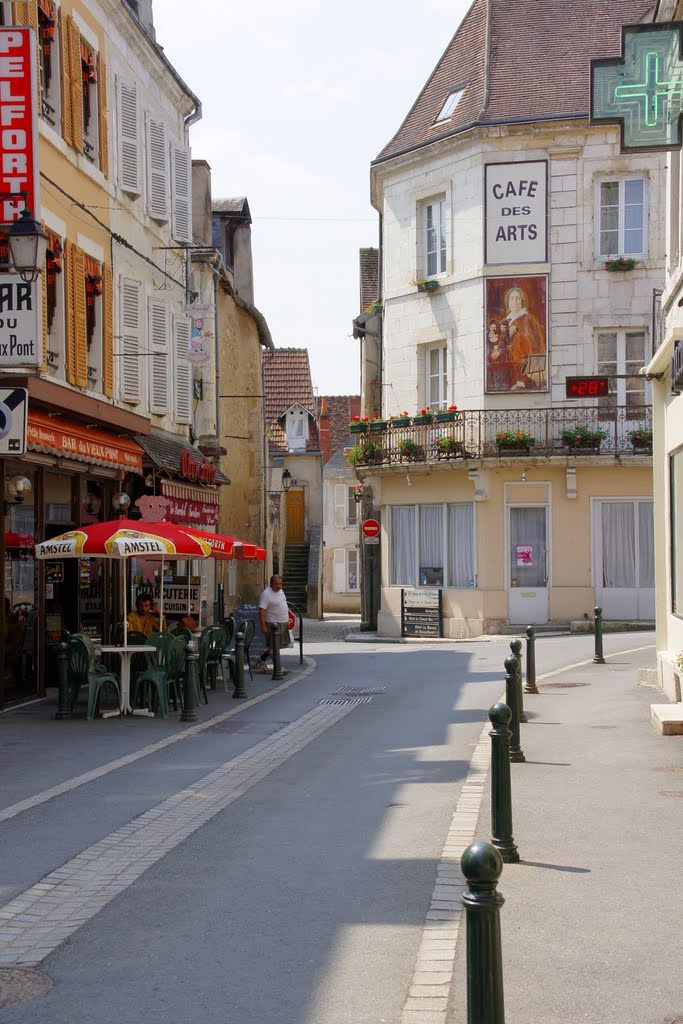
<point x="125" y="538"/>
<point x="225" y="547"/>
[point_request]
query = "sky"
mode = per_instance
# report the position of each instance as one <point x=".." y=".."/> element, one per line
<point x="297" y="99"/>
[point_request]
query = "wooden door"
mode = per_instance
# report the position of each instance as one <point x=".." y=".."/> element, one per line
<point x="295" y="517"/>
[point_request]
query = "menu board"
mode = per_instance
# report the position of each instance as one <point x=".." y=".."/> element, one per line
<point x="421" y="612"/>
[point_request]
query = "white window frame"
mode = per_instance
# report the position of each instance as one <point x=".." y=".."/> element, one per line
<point x="622" y="249"/>
<point x="619" y="387"/>
<point x="415" y="582"/>
<point x="130" y="375"/>
<point x="128" y="140"/>
<point x="439" y="251"/>
<point x="342" y="560"/>
<point x="449" y="105"/>
<point x="182" y="376"/>
<point x="343" y="505"/>
<point x="352" y="557"/>
<point x="159" y="330"/>
<point x="158" y="171"/>
<point x="441" y="376"/>
<point x="181" y="192"/>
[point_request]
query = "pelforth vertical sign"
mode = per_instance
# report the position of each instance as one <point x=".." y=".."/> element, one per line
<point x="20" y="342"/>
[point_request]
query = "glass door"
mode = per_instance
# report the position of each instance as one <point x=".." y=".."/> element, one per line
<point x="528" y="565"/>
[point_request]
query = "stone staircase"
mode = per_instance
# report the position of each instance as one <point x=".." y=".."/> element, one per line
<point x="295" y="575"/>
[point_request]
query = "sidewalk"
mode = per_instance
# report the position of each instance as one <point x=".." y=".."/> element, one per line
<point x="591" y="926"/>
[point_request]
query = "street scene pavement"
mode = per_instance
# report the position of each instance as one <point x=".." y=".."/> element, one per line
<point x="293" y="857"/>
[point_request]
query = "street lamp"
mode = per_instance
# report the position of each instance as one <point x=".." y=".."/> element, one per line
<point x="287" y="480"/>
<point x="27" y="245"/>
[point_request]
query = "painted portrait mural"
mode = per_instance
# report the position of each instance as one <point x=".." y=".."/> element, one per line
<point x="516" y="343"/>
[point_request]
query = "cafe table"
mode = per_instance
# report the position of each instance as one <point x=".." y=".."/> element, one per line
<point x="126" y="654"/>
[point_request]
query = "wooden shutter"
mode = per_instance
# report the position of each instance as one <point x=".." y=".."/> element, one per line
<point x="181" y="191"/>
<point x="76" y="84"/>
<point x="20" y="12"/>
<point x="130" y="348"/>
<point x="128" y="137"/>
<point x="157" y="170"/>
<point x="103" y="124"/>
<point x="78" y="312"/>
<point x="26" y="13"/>
<point x="158" y="345"/>
<point x="67" y="120"/>
<point x="340" y="506"/>
<point x="69" y="315"/>
<point x="183" y="370"/>
<point x="339" y="571"/>
<point x="43" y="292"/>
<point x="107" y="332"/>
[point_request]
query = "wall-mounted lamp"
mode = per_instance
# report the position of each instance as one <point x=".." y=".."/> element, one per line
<point x="17" y="487"/>
<point x="120" y="503"/>
<point x="287" y="480"/>
<point x="27" y="245"/>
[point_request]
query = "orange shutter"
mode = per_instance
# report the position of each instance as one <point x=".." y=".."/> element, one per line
<point x="70" y="320"/>
<point x="79" y="317"/>
<point x="32" y="20"/>
<point x="67" y="120"/>
<point x="108" y="333"/>
<point x="76" y="85"/>
<point x="20" y="12"/>
<point x="102" y="97"/>
<point x="43" y="285"/>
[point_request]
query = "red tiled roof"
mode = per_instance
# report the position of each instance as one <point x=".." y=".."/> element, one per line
<point x="538" y="65"/>
<point x="287" y="380"/>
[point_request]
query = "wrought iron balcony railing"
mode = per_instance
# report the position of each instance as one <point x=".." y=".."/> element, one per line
<point x="502" y="433"/>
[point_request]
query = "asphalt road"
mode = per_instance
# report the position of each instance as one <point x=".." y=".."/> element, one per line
<point x="303" y="899"/>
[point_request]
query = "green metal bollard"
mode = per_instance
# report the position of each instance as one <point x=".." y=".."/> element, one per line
<point x="530" y="685"/>
<point x="275" y="647"/>
<point x="63" y="709"/>
<point x="501" y="789"/>
<point x="598" y="658"/>
<point x="481" y="864"/>
<point x="511" y="669"/>
<point x="190" y="684"/>
<point x="516" y="648"/>
<point x="240" y="690"/>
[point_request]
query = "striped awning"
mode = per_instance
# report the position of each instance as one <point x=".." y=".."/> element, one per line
<point x="203" y="495"/>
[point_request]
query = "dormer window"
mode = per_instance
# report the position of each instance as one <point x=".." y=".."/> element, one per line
<point x="296" y="428"/>
<point x="450" y="104"/>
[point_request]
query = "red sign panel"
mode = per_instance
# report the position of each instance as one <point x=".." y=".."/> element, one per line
<point x="587" y="387"/>
<point x="371" y="528"/>
<point x="191" y="513"/>
<point x="18" y="122"/>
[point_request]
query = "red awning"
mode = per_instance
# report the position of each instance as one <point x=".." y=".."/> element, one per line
<point x="225" y="547"/>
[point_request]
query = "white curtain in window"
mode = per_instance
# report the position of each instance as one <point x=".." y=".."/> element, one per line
<point x="460" y="545"/>
<point x="431" y="545"/>
<point x="618" y="544"/>
<point x="528" y="546"/>
<point x="403" y="545"/>
<point x="646" y="537"/>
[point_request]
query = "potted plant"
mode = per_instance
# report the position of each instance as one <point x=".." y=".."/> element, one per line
<point x="446" y="415"/>
<point x="620" y="263"/>
<point x="401" y="420"/>
<point x="367" y="453"/>
<point x="410" y="450"/>
<point x="423" y="416"/>
<point x="514" y="440"/>
<point x="358" y="425"/>
<point x="358" y="493"/>
<point x="641" y="438"/>
<point x="375" y="307"/>
<point x="583" y="438"/>
<point x="377" y="423"/>
<point x="426" y="284"/>
<point x="447" y="447"/>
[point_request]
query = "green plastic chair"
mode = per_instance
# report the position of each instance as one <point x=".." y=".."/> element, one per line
<point x="165" y="677"/>
<point x="212" y="646"/>
<point x="82" y="671"/>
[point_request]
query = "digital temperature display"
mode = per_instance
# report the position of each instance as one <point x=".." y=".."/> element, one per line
<point x="587" y="387"/>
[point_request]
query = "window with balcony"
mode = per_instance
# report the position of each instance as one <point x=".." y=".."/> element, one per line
<point x="432" y="258"/>
<point x="436" y="382"/>
<point x="622" y="217"/>
<point x="621" y="355"/>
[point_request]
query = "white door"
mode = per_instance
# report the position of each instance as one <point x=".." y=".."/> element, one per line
<point x="624" y="555"/>
<point x="528" y="565"/>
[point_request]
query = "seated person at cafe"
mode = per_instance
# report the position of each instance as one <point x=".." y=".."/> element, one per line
<point x="144" y="619"/>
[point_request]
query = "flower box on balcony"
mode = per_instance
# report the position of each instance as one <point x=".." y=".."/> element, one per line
<point x="446" y="415"/>
<point x="620" y="263"/>
<point x="448" y="448"/>
<point x="399" y="421"/>
<point x="513" y="441"/>
<point x="641" y="440"/>
<point x="377" y="424"/>
<point x="429" y="285"/>
<point x="583" y="438"/>
<point x="424" y="416"/>
<point x="410" y="450"/>
<point x="367" y="453"/>
<point x="358" y="426"/>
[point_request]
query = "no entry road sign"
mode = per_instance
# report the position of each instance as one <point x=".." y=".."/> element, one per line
<point x="370" y="528"/>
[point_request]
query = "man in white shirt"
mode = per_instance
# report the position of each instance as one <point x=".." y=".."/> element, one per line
<point x="272" y="608"/>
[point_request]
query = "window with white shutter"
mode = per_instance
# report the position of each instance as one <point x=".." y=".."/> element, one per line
<point x="130" y="370"/>
<point x="157" y="170"/>
<point x="183" y="370"/>
<point x="352" y="582"/>
<point x="181" y="189"/>
<point x="158" y="344"/>
<point x="128" y="137"/>
<point x="340" y="506"/>
<point x="339" y="571"/>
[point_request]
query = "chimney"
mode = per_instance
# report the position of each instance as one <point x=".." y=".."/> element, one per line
<point x="324" y="429"/>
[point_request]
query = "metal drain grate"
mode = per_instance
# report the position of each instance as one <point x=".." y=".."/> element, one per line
<point x="561" y="686"/>
<point x="346" y="703"/>
<point x="359" y="690"/>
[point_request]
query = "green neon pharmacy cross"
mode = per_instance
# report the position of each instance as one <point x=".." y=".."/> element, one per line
<point x="643" y="89"/>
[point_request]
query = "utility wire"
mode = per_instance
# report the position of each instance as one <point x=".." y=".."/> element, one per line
<point x="113" y="234"/>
